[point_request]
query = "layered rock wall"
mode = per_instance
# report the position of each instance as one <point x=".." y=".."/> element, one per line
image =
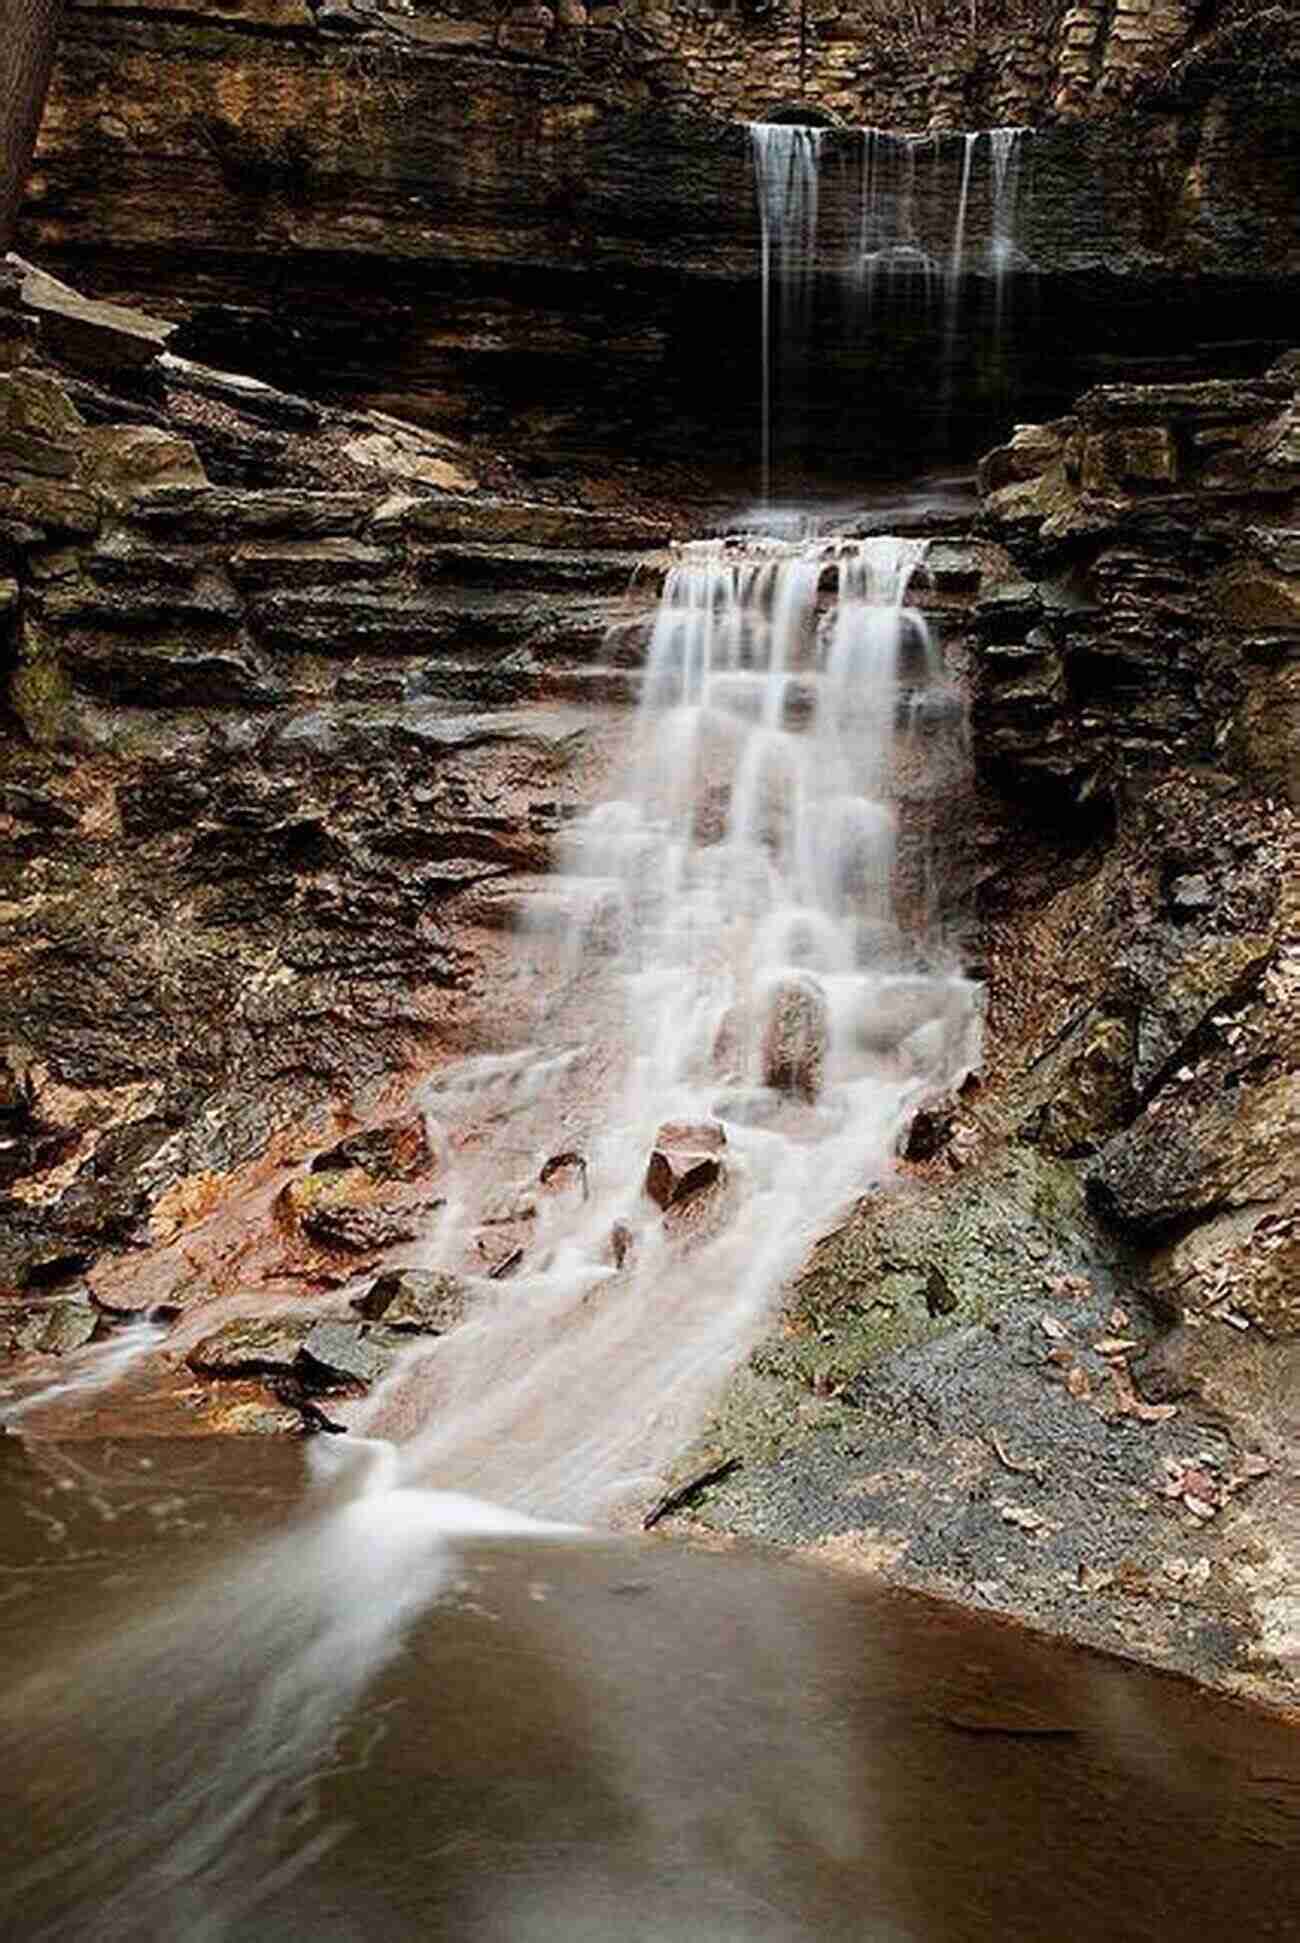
<point x="475" y="219"/>
<point x="267" y="775"/>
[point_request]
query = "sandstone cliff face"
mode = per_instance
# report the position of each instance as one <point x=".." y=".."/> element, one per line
<point x="545" y="227"/>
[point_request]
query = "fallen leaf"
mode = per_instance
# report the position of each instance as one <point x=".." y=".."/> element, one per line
<point x="1116" y="1345"/>
<point x="1022" y="1517"/>
<point x="1078" y="1382"/>
<point x="1131" y="1404"/>
<point x="1199" y="1507"/>
<point x="1053" y="1327"/>
<point x="1071" y="1288"/>
<point x="1117" y="1320"/>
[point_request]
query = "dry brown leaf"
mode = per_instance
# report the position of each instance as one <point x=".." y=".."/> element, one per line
<point x="1078" y="1382"/>
<point x="1071" y="1288"/>
<point x="1020" y="1516"/>
<point x="1131" y="1404"/>
<point x="1116" y="1345"/>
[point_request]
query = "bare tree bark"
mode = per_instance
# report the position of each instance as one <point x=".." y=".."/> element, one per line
<point x="29" y="32"/>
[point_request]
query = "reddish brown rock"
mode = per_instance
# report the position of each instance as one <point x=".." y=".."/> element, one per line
<point x="685" y="1161"/>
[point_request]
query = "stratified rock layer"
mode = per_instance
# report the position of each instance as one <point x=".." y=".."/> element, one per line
<point x="268" y="776"/>
<point x="547" y="229"/>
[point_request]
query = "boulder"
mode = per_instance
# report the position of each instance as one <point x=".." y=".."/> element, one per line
<point x="343" y="1210"/>
<point x="686" y="1160"/>
<point x="342" y="1356"/>
<point x="398" y="1150"/>
<point x="85" y="332"/>
<point x="424" y="1301"/>
<point x="53" y="1328"/>
<point x="257" y="1346"/>
<point x="795" y="1037"/>
<point x="564" y="1174"/>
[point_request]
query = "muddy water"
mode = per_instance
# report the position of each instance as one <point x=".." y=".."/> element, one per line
<point x="231" y="1709"/>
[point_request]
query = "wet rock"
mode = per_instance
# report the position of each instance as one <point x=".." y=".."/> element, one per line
<point x="342" y="1356"/>
<point x="930" y="1129"/>
<point x="396" y="1151"/>
<point x="1200" y="1149"/>
<point x="263" y="1346"/>
<point x="685" y="1161"/>
<point x="343" y="1211"/>
<point x="425" y="1301"/>
<point x="795" y="1038"/>
<point x="565" y="1174"/>
<point x="1183" y="979"/>
<point x="54" y="1327"/>
<point x="1092" y="1092"/>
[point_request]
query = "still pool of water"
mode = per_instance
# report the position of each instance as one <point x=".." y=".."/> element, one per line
<point x="237" y="1707"/>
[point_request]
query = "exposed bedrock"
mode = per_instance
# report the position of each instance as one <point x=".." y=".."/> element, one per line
<point x="273" y="760"/>
<point x="548" y="232"/>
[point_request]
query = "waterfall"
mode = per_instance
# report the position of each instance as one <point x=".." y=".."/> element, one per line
<point x="901" y="237"/>
<point x="749" y="980"/>
<point x="786" y="175"/>
<point x="1007" y="153"/>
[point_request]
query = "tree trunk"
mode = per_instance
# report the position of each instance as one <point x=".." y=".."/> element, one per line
<point x="29" y="30"/>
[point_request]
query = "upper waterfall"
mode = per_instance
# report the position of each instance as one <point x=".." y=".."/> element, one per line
<point x="891" y="219"/>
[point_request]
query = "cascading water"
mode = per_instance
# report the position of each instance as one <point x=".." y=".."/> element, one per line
<point x="760" y="993"/>
<point x="786" y="171"/>
<point x="748" y="986"/>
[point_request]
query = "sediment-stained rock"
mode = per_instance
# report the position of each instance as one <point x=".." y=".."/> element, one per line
<point x="424" y="1301"/>
<point x="685" y="1161"/>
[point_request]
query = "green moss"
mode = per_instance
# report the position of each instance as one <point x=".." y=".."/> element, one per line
<point x="41" y="696"/>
